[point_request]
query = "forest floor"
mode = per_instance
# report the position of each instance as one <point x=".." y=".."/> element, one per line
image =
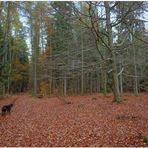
<point x="85" y="122"/>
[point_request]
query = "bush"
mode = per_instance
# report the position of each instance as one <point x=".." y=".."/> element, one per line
<point x="44" y="88"/>
<point x="145" y="139"/>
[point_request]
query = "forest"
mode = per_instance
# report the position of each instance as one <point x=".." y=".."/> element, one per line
<point x="74" y="73"/>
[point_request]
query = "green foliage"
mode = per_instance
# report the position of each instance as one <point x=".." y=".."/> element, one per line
<point x="13" y="51"/>
<point x="19" y="63"/>
<point x="145" y="139"/>
<point x="62" y="24"/>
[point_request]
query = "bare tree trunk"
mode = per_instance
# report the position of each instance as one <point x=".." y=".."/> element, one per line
<point x="110" y="43"/>
<point x="91" y="83"/>
<point x="50" y="82"/>
<point x="104" y="79"/>
<point x="121" y="82"/>
<point x="35" y="36"/>
<point x="50" y="61"/>
<point x="135" y="71"/>
<point x="65" y="85"/>
<point x="135" y="68"/>
<point x="115" y="81"/>
<point x="121" y="77"/>
<point x="1" y="7"/>
<point x="98" y="83"/>
<point x="35" y="73"/>
<point x="105" y="83"/>
<point x="82" y="58"/>
<point x="34" y="63"/>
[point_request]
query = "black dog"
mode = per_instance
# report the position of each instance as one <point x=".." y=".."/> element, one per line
<point x="6" y="109"/>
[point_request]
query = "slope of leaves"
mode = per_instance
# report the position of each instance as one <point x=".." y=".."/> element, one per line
<point x="84" y="122"/>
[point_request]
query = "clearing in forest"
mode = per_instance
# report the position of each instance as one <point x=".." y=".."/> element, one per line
<point x="92" y="120"/>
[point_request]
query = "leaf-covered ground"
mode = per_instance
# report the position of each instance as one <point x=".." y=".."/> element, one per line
<point x="84" y="122"/>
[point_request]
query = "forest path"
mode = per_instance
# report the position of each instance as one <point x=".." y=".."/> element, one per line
<point x="85" y="122"/>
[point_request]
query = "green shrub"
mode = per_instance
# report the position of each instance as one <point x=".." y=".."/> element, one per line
<point x="145" y="139"/>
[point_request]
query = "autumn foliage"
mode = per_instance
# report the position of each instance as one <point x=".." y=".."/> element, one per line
<point x="44" y="88"/>
<point x="84" y="122"/>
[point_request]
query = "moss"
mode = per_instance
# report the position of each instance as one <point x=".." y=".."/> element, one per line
<point x="145" y="139"/>
<point x="117" y="99"/>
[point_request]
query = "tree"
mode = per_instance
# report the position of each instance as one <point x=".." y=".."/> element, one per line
<point x="13" y="47"/>
<point x="105" y="36"/>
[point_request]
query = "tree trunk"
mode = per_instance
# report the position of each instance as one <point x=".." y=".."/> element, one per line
<point x="135" y="67"/>
<point x="104" y="79"/>
<point x="135" y="71"/>
<point x="35" y="48"/>
<point x="1" y="7"/>
<point x="65" y="85"/>
<point x="91" y="83"/>
<point x="115" y="81"/>
<point x="110" y="44"/>
<point x="121" y="82"/>
<point x="82" y="58"/>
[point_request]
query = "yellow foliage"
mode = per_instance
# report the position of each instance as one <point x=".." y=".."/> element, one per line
<point x="44" y="88"/>
<point x="50" y="31"/>
<point x="16" y="77"/>
<point x="20" y="67"/>
<point x="18" y="70"/>
<point x="45" y="56"/>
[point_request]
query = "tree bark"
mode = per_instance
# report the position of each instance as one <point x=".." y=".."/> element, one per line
<point x="65" y="85"/>
<point x="113" y="62"/>
<point x="121" y="80"/>
<point x="82" y="58"/>
<point x="135" y="67"/>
